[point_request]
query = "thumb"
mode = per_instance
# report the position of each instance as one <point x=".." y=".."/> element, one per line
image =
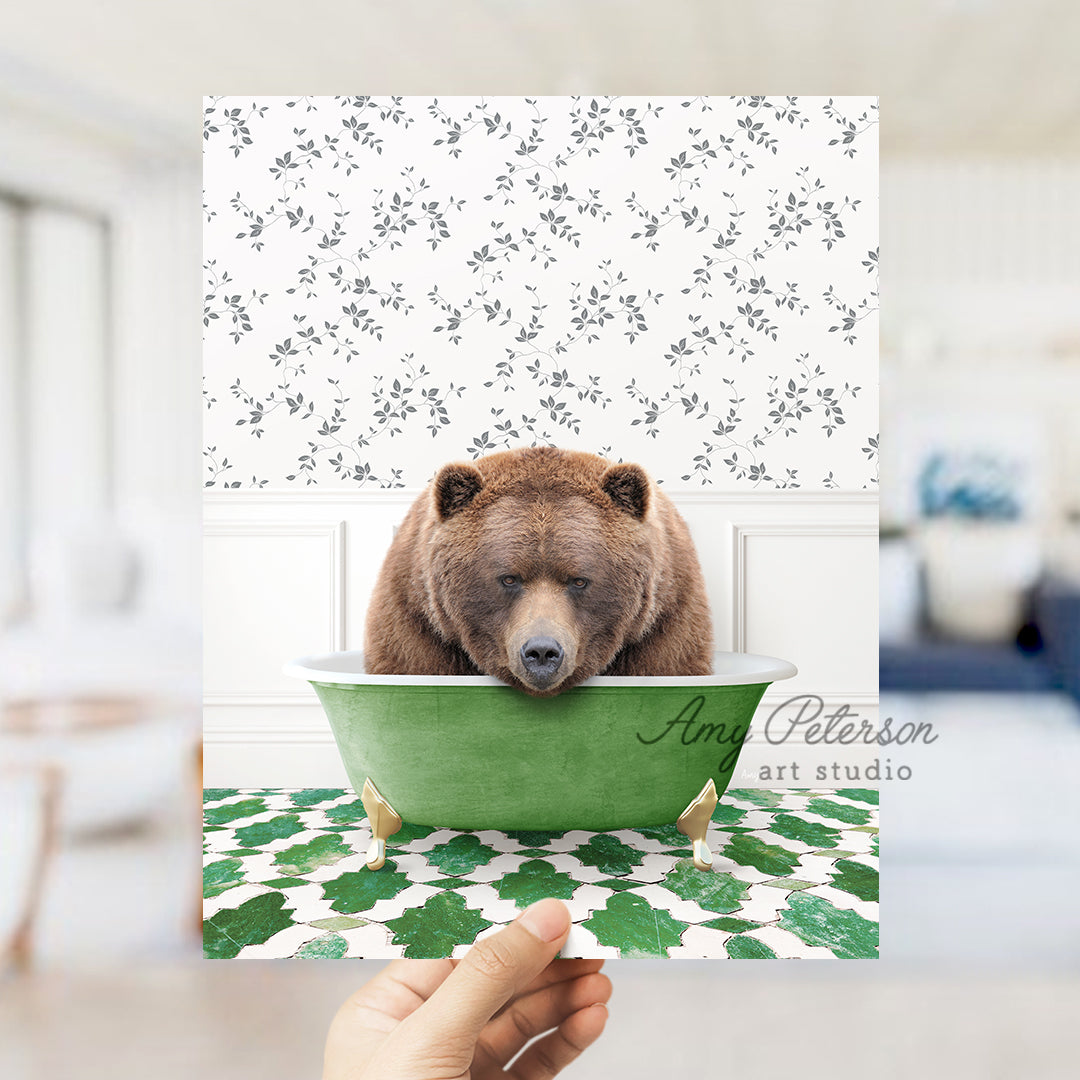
<point x="492" y="972"/>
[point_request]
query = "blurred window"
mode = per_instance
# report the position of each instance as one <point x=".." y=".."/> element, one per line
<point x="55" y="387"/>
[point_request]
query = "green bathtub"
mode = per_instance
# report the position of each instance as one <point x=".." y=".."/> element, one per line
<point x="468" y="752"/>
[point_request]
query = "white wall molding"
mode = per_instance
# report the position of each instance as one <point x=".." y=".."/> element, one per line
<point x="244" y="700"/>
<point x="214" y="498"/>
<point x="260" y="736"/>
<point x="334" y="534"/>
<point x="314" y="496"/>
<point x="785" y="496"/>
<point x="742" y="532"/>
<point x="830" y="699"/>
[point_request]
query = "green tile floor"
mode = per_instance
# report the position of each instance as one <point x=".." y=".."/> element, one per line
<point x="795" y="875"/>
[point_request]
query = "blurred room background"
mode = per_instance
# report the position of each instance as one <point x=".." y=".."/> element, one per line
<point x="980" y="544"/>
<point x="100" y="109"/>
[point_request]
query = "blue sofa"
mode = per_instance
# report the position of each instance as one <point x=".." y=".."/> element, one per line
<point x="1044" y="657"/>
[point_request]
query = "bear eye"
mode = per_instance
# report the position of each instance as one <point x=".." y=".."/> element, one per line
<point x="509" y="580"/>
<point x="578" y="582"/>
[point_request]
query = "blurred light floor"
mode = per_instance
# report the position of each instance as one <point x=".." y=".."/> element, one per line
<point x="684" y="1019"/>
<point x="984" y="840"/>
<point x="124" y="897"/>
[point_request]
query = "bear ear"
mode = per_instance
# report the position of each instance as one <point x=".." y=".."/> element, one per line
<point x="628" y="487"/>
<point x="455" y="487"/>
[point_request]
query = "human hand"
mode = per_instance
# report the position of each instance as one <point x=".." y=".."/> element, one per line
<point x="465" y="1020"/>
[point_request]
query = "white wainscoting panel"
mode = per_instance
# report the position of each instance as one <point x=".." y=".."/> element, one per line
<point x="789" y="573"/>
<point x="272" y="590"/>
<point x="800" y="593"/>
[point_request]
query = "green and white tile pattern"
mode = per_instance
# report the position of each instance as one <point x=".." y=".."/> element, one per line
<point x="795" y="875"/>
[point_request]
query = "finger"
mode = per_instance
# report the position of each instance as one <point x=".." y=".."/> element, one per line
<point x="551" y="972"/>
<point x="370" y="1014"/>
<point x="397" y="991"/>
<point x="492" y="972"/>
<point x="420" y="978"/>
<point x="526" y="1017"/>
<point x="548" y="1056"/>
<point x="559" y="971"/>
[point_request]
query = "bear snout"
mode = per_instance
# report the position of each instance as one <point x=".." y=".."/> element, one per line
<point x="542" y="657"/>
<point x="542" y="654"/>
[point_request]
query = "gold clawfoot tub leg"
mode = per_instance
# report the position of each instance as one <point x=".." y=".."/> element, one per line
<point x="694" y="823"/>
<point x="384" y="820"/>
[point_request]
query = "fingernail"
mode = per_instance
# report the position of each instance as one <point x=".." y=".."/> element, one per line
<point x="546" y="919"/>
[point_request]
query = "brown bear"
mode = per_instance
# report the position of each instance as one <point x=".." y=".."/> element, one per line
<point x="540" y="567"/>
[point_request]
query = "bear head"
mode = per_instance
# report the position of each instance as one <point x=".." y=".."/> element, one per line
<point x="542" y="563"/>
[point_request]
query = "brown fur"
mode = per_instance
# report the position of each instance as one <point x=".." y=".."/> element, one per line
<point x="548" y="518"/>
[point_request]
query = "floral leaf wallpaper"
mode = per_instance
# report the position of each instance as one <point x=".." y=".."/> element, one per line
<point x="391" y="283"/>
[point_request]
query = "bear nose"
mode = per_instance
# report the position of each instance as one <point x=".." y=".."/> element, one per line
<point x="542" y="656"/>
